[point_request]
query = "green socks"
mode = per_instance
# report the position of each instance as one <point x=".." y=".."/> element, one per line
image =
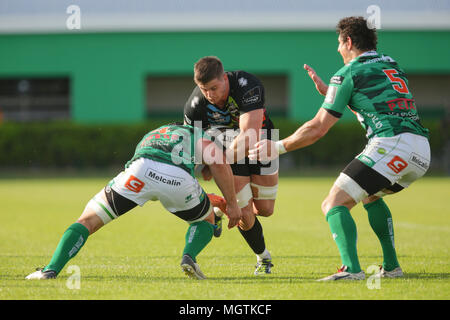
<point x="380" y="220"/>
<point x="69" y="245"/>
<point x="343" y="229"/>
<point x="198" y="235"/>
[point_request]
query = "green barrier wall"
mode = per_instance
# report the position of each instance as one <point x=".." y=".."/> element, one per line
<point x="108" y="70"/>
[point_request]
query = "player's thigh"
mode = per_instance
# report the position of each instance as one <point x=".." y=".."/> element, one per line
<point x="104" y="207"/>
<point x="337" y="197"/>
<point x="244" y="195"/>
<point x="264" y="190"/>
<point x="356" y="182"/>
<point x="201" y="211"/>
<point x="89" y="217"/>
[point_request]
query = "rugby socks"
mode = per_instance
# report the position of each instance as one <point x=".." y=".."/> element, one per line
<point x="69" y="245"/>
<point x="198" y="235"/>
<point x="255" y="237"/>
<point x="343" y="229"/>
<point x="380" y="220"/>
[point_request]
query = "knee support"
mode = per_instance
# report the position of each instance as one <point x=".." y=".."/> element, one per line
<point x="114" y="206"/>
<point x="244" y="196"/>
<point x="265" y="192"/>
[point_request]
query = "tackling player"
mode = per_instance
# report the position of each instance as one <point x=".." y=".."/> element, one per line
<point x="161" y="169"/>
<point x="235" y="100"/>
<point x="375" y="89"/>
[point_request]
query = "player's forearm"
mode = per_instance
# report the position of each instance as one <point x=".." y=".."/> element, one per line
<point x="223" y="175"/>
<point x="237" y="150"/>
<point x="306" y="135"/>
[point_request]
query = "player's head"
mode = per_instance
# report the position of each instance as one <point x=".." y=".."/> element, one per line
<point x="211" y="78"/>
<point x="355" y="36"/>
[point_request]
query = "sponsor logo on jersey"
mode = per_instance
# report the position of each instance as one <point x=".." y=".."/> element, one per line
<point x="419" y="161"/>
<point x="401" y="104"/>
<point x="188" y="198"/>
<point x="337" y="79"/>
<point x="242" y="81"/>
<point x="252" y="96"/>
<point x="397" y="164"/>
<point x="366" y="160"/>
<point x="134" y="184"/>
<point x="164" y="178"/>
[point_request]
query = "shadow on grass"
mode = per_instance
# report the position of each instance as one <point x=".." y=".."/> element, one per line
<point x="427" y="276"/>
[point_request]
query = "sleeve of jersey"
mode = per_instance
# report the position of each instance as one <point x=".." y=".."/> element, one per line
<point x="339" y="93"/>
<point x="190" y="114"/>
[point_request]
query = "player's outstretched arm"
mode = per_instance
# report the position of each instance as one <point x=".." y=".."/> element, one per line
<point x="321" y="86"/>
<point x="306" y="135"/>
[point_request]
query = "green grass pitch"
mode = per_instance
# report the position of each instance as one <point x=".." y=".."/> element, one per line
<point x="137" y="256"/>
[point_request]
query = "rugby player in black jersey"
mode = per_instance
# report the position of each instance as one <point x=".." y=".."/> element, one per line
<point x="235" y="100"/>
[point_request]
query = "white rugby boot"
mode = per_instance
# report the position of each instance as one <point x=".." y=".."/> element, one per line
<point x="396" y="273"/>
<point x="41" y="275"/>
<point x="342" y="274"/>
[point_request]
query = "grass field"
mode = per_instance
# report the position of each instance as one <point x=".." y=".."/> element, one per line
<point x="138" y="255"/>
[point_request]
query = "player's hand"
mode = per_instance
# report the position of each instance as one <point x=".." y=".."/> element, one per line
<point x="321" y="86"/>
<point x="234" y="214"/>
<point x="264" y="150"/>
<point x="206" y="173"/>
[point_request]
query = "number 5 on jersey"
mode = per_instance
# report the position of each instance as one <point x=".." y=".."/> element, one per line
<point x="391" y="74"/>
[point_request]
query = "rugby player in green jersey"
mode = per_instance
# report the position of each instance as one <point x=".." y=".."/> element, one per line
<point x="375" y="89"/>
<point x="162" y="169"/>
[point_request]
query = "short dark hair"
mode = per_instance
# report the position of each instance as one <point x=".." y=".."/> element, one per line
<point x="363" y="37"/>
<point x="207" y="69"/>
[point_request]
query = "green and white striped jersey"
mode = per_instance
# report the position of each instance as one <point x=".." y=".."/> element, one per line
<point x="171" y="144"/>
<point x="375" y="88"/>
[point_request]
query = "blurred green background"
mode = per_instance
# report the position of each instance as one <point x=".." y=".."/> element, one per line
<point x="80" y="99"/>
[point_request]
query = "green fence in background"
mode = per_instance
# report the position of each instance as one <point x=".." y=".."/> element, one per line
<point x="108" y="71"/>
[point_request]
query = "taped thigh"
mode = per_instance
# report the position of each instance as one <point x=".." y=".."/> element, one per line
<point x="349" y="185"/>
<point x="244" y="196"/>
<point x="101" y="208"/>
<point x="265" y="192"/>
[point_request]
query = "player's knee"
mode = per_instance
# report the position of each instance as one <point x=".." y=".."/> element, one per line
<point x="264" y="209"/>
<point x="247" y="219"/>
<point x="325" y="206"/>
<point x="92" y="223"/>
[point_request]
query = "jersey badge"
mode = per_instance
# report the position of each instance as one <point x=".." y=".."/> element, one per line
<point x="242" y="81"/>
<point x="337" y="79"/>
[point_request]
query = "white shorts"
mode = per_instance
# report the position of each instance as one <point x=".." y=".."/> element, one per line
<point x="401" y="160"/>
<point x="146" y="180"/>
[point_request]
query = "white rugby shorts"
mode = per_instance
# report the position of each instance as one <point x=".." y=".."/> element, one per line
<point x="401" y="159"/>
<point x="147" y="180"/>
